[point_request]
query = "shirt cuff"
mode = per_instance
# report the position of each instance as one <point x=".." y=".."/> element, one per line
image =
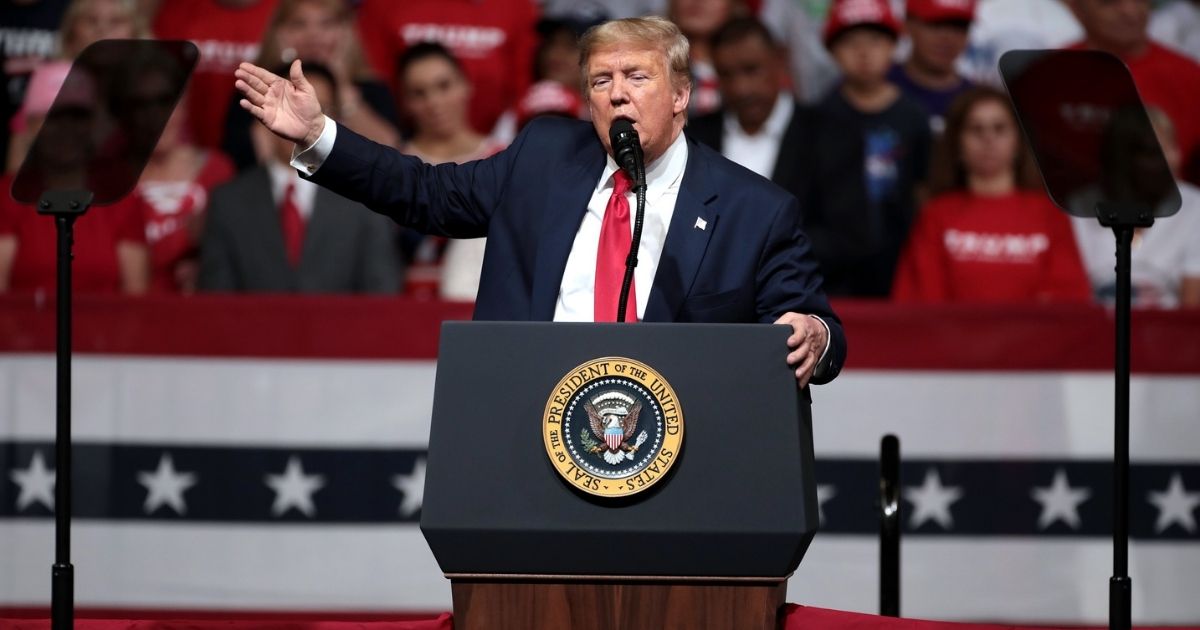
<point x="828" y="340"/>
<point x="307" y="161"/>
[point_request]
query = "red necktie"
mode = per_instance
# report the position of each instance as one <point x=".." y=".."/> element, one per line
<point x="292" y="224"/>
<point x="615" y="238"/>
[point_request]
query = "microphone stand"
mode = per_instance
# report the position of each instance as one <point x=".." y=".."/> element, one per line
<point x="631" y="261"/>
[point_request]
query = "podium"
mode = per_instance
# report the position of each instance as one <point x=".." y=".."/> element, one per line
<point x="556" y="499"/>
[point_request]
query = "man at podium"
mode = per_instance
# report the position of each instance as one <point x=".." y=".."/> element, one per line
<point x="719" y="243"/>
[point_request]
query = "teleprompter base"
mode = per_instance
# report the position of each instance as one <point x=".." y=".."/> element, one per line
<point x="616" y="603"/>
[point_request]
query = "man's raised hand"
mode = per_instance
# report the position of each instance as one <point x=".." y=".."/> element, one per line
<point x="288" y="107"/>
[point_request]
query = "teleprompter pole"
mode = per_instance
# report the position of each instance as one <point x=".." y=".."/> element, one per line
<point x="65" y="207"/>
<point x="1123" y="220"/>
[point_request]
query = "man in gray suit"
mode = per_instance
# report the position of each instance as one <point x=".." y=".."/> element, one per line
<point x="271" y="231"/>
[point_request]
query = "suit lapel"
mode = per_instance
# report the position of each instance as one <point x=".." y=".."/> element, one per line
<point x="264" y="209"/>
<point x="567" y="204"/>
<point x="686" y="240"/>
<point x="322" y="230"/>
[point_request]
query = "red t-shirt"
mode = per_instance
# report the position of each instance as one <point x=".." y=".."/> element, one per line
<point x="168" y="207"/>
<point x="494" y="40"/>
<point x="226" y="36"/>
<point x="1171" y="82"/>
<point x="1012" y="248"/>
<point x="97" y="234"/>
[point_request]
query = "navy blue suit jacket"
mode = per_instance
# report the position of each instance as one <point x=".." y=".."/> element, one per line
<point x="751" y="263"/>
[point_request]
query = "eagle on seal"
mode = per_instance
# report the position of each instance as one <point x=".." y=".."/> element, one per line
<point x="614" y="429"/>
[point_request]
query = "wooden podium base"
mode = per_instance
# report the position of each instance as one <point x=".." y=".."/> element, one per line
<point x="524" y="602"/>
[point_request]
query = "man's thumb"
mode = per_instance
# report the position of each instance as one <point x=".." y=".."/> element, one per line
<point x="296" y="74"/>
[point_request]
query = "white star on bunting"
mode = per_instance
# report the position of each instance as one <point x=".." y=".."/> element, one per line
<point x="294" y="489"/>
<point x="931" y="501"/>
<point x="1060" y="502"/>
<point x="412" y="486"/>
<point x="1175" y="506"/>
<point x="37" y="483"/>
<point x="165" y="486"/>
<point x="825" y="492"/>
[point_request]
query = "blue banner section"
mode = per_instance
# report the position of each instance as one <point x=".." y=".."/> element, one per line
<point x="228" y="484"/>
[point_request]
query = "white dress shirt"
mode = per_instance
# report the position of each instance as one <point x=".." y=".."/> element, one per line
<point x="303" y="194"/>
<point x="758" y="152"/>
<point x="576" y="294"/>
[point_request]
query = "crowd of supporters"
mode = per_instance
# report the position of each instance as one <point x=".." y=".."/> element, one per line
<point x="884" y="117"/>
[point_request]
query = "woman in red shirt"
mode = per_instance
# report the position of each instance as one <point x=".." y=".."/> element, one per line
<point x="110" y="243"/>
<point x="988" y="233"/>
<point x="174" y="190"/>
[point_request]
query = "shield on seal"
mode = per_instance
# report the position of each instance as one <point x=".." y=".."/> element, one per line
<point x="614" y="434"/>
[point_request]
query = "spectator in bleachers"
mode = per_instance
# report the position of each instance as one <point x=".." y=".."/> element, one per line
<point x="174" y="189"/>
<point x="271" y="231"/>
<point x="1164" y="78"/>
<point x="110" y="247"/>
<point x="893" y="130"/>
<point x="1177" y="25"/>
<point x="798" y="30"/>
<point x="1165" y="257"/>
<point x="938" y="32"/>
<point x="989" y="233"/>
<point x="557" y="55"/>
<point x="227" y="33"/>
<point x="763" y="128"/>
<point x="1004" y="25"/>
<point x="493" y="39"/>
<point x="437" y="93"/>
<point x="557" y="82"/>
<point x="89" y="21"/>
<point x="28" y="36"/>
<point x="323" y="32"/>
<point x="699" y="21"/>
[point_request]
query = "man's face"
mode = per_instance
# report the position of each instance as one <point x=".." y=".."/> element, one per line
<point x="750" y="79"/>
<point x="635" y="83"/>
<point x="1115" y="24"/>
<point x="864" y="55"/>
<point x="937" y="45"/>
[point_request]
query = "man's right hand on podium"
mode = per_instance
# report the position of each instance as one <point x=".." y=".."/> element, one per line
<point x="288" y="107"/>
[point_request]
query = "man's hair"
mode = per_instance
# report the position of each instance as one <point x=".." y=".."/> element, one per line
<point x="651" y="32"/>
<point x="740" y="29"/>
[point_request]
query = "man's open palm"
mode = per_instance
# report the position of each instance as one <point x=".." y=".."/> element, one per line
<point x="288" y="107"/>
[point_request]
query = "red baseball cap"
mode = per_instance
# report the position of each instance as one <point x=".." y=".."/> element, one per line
<point x="548" y="97"/>
<point x="847" y="14"/>
<point x="941" y="10"/>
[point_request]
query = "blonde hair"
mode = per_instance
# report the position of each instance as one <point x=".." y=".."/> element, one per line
<point x="74" y="12"/>
<point x="652" y="32"/>
<point x="270" y="55"/>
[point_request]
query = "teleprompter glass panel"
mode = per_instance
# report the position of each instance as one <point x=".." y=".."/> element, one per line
<point x="1089" y="131"/>
<point x="106" y="119"/>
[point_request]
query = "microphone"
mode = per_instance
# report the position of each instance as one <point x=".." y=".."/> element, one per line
<point x="627" y="151"/>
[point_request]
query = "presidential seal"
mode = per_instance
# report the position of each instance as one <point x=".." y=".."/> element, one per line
<point x="613" y="427"/>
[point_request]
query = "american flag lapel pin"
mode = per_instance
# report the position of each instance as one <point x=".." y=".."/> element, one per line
<point x="701" y="223"/>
